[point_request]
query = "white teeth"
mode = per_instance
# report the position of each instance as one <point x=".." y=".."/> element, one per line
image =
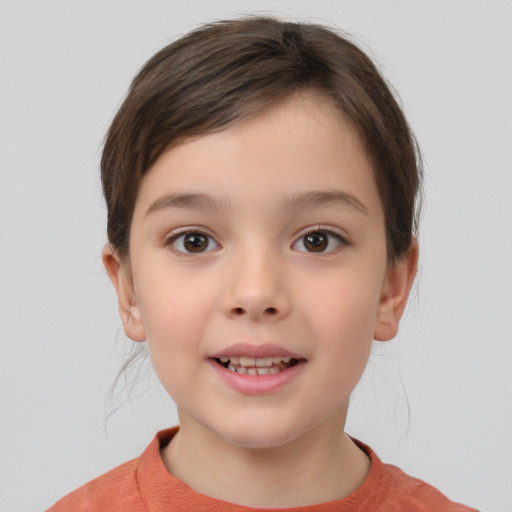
<point x="246" y="361"/>
<point x="246" y="365"/>
<point x="264" y="361"/>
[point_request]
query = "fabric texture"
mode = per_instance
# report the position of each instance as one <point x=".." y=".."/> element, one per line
<point x="145" y="485"/>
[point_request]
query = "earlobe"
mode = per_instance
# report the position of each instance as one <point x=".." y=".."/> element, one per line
<point x="128" y="308"/>
<point x="394" y="294"/>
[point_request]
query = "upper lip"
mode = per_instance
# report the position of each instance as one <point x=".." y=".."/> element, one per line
<point x="253" y="350"/>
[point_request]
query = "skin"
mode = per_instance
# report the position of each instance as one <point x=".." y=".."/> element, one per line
<point x="258" y="282"/>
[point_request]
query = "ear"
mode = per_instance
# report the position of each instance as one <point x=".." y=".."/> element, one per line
<point x="120" y="275"/>
<point x="394" y="294"/>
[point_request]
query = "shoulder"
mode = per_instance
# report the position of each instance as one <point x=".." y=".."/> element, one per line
<point x="415" y="494"/>
<point x="126" y="488"/>
<point x="394" y="490"/>
<point x="116" y="490"/>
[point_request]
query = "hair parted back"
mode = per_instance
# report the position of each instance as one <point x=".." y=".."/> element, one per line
<point x="225" y="71"/>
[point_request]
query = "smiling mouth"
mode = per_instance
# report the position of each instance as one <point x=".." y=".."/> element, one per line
<point x="245" y="365"/>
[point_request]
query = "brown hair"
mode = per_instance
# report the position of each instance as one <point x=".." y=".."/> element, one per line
<point x="225" y="71"/>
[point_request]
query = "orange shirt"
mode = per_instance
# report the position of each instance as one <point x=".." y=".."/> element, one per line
<point x="144" y="484"/>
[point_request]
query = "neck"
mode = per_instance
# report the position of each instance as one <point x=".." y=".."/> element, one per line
<point x="321" y="465"/>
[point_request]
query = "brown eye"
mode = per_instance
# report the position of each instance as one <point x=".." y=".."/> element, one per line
<point x="316" y="242"/>
<point x="319" y="241"/>
<point x="192" y="242"/>
<point x="195" y="242"/>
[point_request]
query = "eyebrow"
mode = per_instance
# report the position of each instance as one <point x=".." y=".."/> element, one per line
<point x="188" y="201"/>
<point x="298" y="202"/>
<point x="316" y="199"/>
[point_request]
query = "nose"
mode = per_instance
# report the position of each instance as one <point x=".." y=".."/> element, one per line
<point x="256" y="288"/>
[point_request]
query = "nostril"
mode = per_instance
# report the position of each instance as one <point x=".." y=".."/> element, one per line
<point x="271" y="310"/>
<point x="239" y="311"/>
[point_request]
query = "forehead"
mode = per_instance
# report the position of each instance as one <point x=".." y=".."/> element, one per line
<point x="293" y="147"/>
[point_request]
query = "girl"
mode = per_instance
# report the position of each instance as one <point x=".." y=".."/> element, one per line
<point x="260" y="181"/>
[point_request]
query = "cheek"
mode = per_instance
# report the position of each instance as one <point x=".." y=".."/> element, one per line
<point x="345" y="303"/>
<point x="172" y="300"/>
<point x="175" y="326"/>
<point x="176" y="315"/>
<point x="340" y="315"/>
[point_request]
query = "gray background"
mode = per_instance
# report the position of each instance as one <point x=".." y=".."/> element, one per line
<point x="437" y="401"/>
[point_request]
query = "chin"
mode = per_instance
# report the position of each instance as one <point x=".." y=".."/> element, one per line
<point x="258" y="441"/>
<point x="258" y="434"/>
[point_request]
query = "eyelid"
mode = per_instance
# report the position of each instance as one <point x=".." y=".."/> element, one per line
<point x="175" y="235"/>
<point x="319" y="228"/>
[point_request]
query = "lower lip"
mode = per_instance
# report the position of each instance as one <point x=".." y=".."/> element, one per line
<point x="257" y="384"/>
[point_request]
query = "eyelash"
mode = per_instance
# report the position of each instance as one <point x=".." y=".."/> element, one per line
<point x="340" y="240"/>
<point x="174" y="237"/>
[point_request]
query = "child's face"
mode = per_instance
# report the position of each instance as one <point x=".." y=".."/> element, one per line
<point x="247" y="280"/>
